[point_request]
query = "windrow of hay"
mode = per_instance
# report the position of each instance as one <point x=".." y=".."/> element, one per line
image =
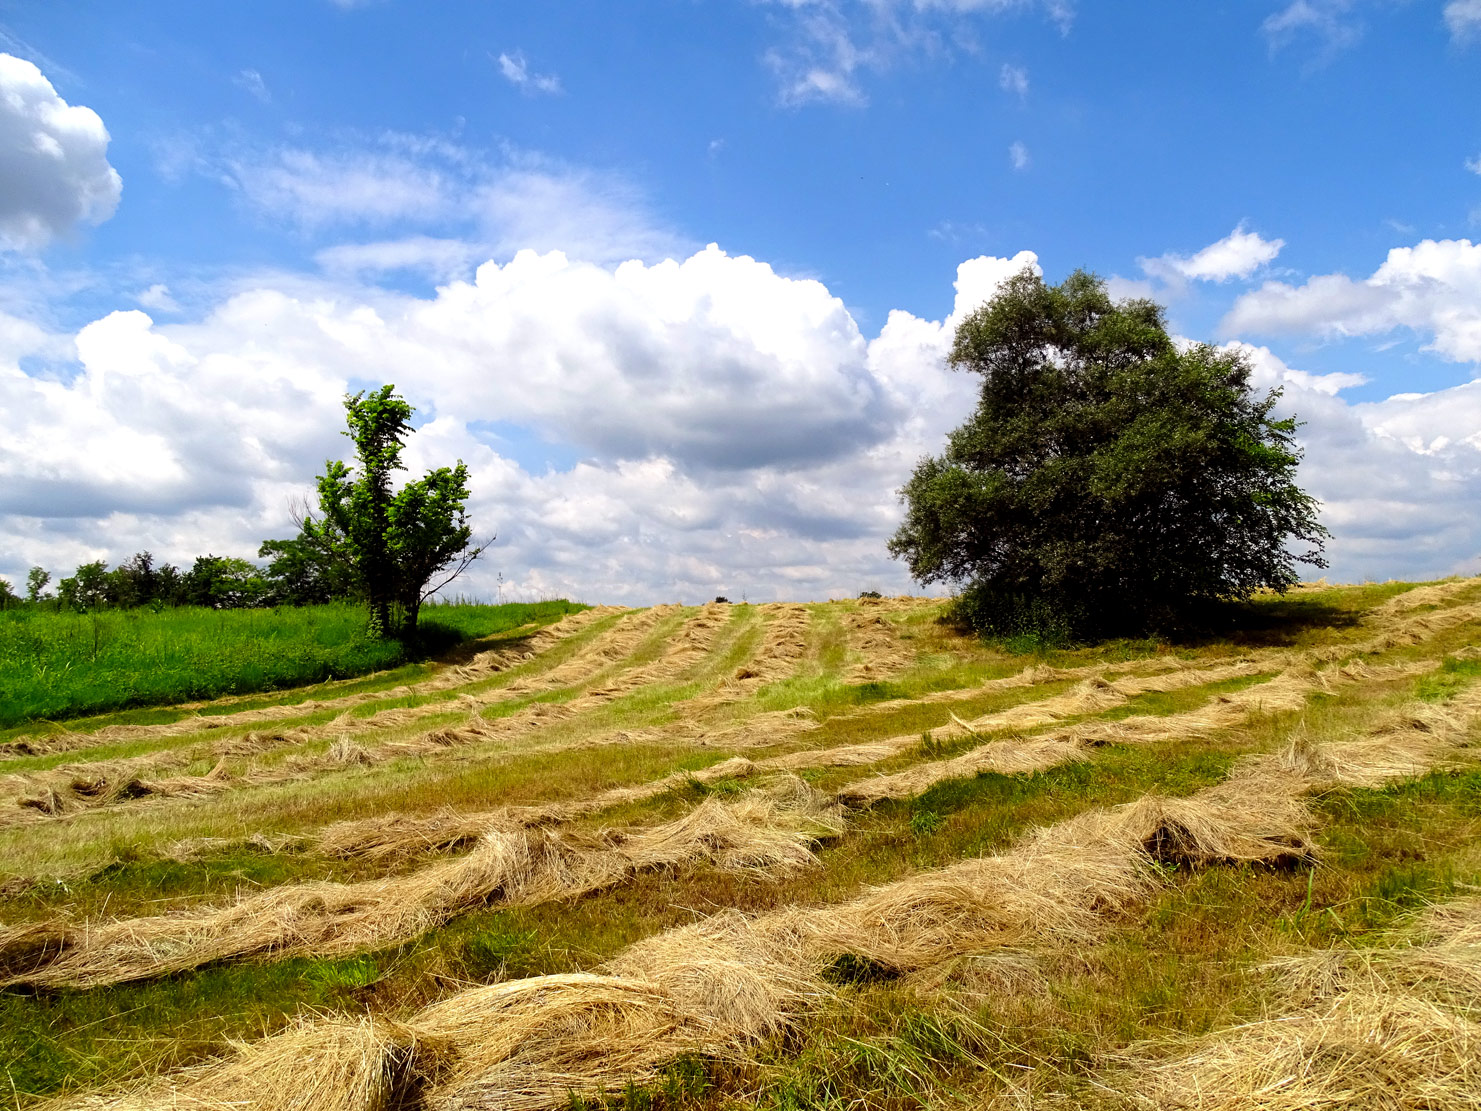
<point x="724" y="983"/>
<point x="772" y="830"/>
<point x="69" y="789"/>
<point x="539" y="641"/>
<point x="1393" y="1027"/>
<point x="874" y="641"/>
<point x="401" y="837"/>
<point x="1092" y="696"/>
<point x="783" y="646"/>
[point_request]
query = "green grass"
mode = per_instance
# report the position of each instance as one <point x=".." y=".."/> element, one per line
<point x="67" y="665"/>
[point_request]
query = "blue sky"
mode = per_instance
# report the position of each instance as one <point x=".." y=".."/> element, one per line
<point x="308" y="189"/>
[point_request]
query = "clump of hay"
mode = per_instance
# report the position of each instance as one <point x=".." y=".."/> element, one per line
<point x="1394" y="1027"/>
<point x="1364" y="1051"/>
<point x="766" y="831"/>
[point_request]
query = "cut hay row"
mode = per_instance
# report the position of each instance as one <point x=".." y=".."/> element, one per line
<point x="1392" y="1027"/>
<point x="69" y="789"/>
<point x="87" y="962"/>
<point x="492" y="661"/>
<point x="766" y="831"/>
<point x="1436" y="594"/>
<point x="403" y="837"/>
<point x="1286" y="692"/>
<point x="721" y="985"/>
<point x="398" y="837"/>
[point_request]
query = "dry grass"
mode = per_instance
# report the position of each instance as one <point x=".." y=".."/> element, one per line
<point x="725" y="983"/>
<point x="765" y="831"/>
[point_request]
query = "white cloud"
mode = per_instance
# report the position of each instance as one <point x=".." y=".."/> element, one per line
<point x="1398" y="479"/>
<point x="54" y="171"/>
<point x="1238" y="255"/>
<point x="1013" y="79"/>
<point x="251" y="81"/>
<point x="355" y="186"/>
<point x="1433" y="288"/>
<point x="830" y="47"/>
<point x="517" y="72"/>
<point x="1329" y="22"/>
<point x="421" y="254"/>
<point x="1018" y="156"/>
<point x="157" y="297"/>
<point x="1474" y="164"/>
<point x="1463" y="18"/>
<point x="733" y="432"/>
<point x="452" y="203"/>
<point x="719" y="427"/>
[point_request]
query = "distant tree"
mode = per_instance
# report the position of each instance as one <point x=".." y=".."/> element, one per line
<point x="398" y="546"/>
<point x="1108" y="481"/>
<point x="36" y="581"/>
<point x="8" y="596"/>
<point x="88" y="587"/>
<point x="169" y="585"/>
<point x="224" y="582"/>
<point x="135" y="582"/>
<point x="300" y="573"/>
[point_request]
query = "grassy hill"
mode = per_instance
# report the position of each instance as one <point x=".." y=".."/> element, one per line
<point x="816" y="856"/>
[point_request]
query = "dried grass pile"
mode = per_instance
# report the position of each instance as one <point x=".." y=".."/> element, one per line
<point x="493" y="661"/>
<point x="1389" y="1028"/>
<point x="722" y="984"/>
<point x="772" y="830"/>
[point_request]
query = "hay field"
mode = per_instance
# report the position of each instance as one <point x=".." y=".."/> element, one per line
<point x="794" y="856"/>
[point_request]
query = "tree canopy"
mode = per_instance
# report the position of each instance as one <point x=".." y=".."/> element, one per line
<point x="1108" y="482"/>
<point x="392" y="544"/>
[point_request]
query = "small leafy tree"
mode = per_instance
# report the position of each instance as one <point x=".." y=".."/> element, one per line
<point x="36" y="581"/>
<point x="87" y="588"/>
<point x="398" y="546"/>
<point x="224" y="582"/>
<point x="300" y="574"/>
<point x="8" y="597"/>
<point x="1108" y="482"/>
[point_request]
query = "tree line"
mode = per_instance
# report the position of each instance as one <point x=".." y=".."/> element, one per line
<point x="389" y="548"/>
<point x="293" y="576"/>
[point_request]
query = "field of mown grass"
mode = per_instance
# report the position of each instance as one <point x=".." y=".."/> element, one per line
<point x="57" y="665"/>
<point x="821" y="856"/>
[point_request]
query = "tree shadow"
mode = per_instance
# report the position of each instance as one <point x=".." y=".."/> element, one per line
<point x="1271" y="622"/>
<point x="445" y="645"/>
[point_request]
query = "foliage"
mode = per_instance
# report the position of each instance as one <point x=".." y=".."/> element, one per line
<point x="7" y="595"/>
<point x="300" y="574"/>
<point x="1108" y="482"/>
<point x="392" y="544"/>
<point x="58" y="665"/>
<point x="36" y="582"/>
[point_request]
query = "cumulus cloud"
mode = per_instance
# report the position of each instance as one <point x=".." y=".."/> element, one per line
<point x="1018" y="156"/>
<point x="1398" y="479"/>
<point x="732" y="430"/>
<point x="1463" y="18"/>
<point x="54" y="171"/>
<point x="1013" y="79"/>
<point x="1238" y="255"/>
<point x="722" y="428"/>
<point x="1433" y="288"/>
<point x="516" y="71"/>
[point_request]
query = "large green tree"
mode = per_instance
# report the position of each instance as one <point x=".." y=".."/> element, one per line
<point x="1108" y="482"/>
<point x="397" y="546"/>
